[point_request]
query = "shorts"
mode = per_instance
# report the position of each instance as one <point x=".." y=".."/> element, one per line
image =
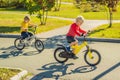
<point x="70" y="39"/>
<point x="26" y="34"/>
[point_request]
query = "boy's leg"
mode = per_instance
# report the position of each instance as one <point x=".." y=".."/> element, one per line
<point x="73" y="54"/>
<point x="72" y="42"/>
<point x="29" y="33"/>
<point x="24" y="35"/>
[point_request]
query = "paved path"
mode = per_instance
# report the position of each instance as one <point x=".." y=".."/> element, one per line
<point x="87" y="25"/>
<point x="44" y="66"/>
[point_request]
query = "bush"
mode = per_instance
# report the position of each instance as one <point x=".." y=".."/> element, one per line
<point x="90" y="7"/>
<point x="12" y="3"/>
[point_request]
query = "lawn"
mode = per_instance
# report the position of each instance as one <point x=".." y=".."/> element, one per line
<point x="105" y="32"/>
<point x="67" y="0"/>
<point x="70" y="11"/>
<point x="6" y="74"/>
<point x="10" y="19"/>
<point x="10" y="22"/>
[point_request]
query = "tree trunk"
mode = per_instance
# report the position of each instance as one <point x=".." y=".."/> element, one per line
<point x="57" y="5"/>
<point x="110" y="13"/>
<point x="43" y="16"/>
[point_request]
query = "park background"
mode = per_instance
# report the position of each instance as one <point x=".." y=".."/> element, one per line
<point x="12" y="13"/>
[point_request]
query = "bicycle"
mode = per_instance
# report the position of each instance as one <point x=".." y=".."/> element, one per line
<point x="21" y="44"/>
<point x="92" y="57"/>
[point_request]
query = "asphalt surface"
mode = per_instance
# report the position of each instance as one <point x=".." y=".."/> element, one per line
<point x="45" y="67"/>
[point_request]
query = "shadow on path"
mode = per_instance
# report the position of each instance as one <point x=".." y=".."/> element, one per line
<point x="60" y="39"/>
<point x="49" y="43"/>
<point x="56" y="70"/>
<point x="53" y="41"/>
<point x="13" y="52"/>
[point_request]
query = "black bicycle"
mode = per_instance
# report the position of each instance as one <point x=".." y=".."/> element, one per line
<point x="20" y="43"/>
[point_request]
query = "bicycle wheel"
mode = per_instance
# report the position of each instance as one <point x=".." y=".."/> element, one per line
<point x="58" y="53"/>
<point x="39" y="45"/>
<point x="92" y="57"/>
<point x="19" y="44"/>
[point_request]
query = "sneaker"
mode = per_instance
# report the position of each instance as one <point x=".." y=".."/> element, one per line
<point x="68" y="48"/>
<point x="74" y="56"/>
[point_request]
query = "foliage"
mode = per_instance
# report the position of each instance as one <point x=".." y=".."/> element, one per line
<point x="12" y="3"/>
<point x="89" y="6"/>
<point x="41" y="7"/>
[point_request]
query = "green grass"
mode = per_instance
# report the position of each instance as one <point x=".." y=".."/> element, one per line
<point x="6" y="74"/>
<point x="10" y="19"/>
<point x="70" y="11"/>
<point x="67" y="11"/>
<point x="105" y="32"/>
<point x="10" y="23"/>
<point x="53" y="24"/>
<point x="67" y="0"/>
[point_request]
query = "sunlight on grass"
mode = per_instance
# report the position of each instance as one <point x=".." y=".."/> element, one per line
<point x="67" y="11"/>
<point x="70" y="11"/>
<point x="105" y="32"/>
<point x="6" y="74"/>
<point x="10" y="19"/>
<point x="14" y="23"/>
<point x="53" y="24"/>
<point x="67" y="0"/>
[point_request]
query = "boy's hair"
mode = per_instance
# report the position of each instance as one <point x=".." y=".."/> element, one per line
<point x="27" y="17"/>
<point x="80" y="18"/>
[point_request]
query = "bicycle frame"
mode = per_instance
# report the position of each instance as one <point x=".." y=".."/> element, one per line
<point x="77" y="48"/>
<point x="33" y="36"/>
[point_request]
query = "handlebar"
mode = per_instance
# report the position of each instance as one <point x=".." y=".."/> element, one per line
<point x="85" y="35"/>
<point x="34" y="30"/>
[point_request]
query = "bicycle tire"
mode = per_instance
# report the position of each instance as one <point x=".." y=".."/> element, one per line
<point x="55" y="55"/>
<point x="39" y="45"/>
<point x="15" y="44"/>
<point x="88" y="62"/>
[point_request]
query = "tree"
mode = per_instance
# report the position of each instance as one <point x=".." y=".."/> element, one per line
<point x="12" y="3"/>
<point x="57" y="5"/>
<point x="41" y="7"/>
<point x="19" y="4"/>
<point x="111" y="4"/>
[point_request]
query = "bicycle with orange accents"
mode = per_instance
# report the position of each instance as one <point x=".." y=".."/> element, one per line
<point x="92" y="57"/>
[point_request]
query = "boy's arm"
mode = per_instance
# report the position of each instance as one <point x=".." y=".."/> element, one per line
<point x="82" y="31"/>
<point x="75" y="30"/>
<point x="33" y="25"/>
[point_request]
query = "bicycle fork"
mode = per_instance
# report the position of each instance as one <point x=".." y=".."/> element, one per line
<point x="89" y="52"/>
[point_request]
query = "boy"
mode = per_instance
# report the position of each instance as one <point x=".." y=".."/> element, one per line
<point x="24" y="27"/>
<point x="74" y="31"/>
